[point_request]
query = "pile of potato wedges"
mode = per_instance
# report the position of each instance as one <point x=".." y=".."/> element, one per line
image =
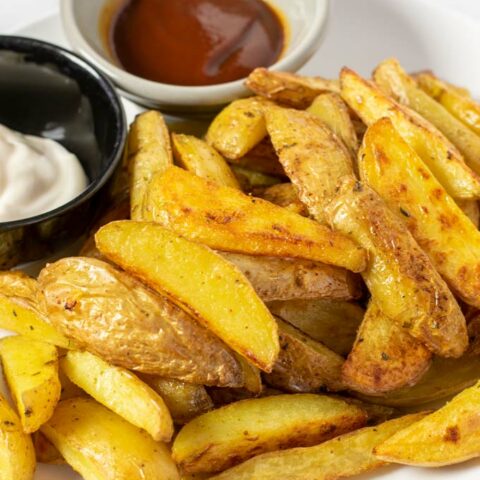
<point x="294" y="295"/>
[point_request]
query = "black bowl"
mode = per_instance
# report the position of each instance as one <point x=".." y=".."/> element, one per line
<point x="48" y="91"/>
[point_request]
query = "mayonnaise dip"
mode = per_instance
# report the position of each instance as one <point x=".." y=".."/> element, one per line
<point x="36" y="175"/>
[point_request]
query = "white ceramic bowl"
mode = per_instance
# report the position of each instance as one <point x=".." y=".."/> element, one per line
<point x="81" y="21"/>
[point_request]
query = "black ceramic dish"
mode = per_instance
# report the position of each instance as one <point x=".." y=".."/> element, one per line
<point x="48" y="91"/>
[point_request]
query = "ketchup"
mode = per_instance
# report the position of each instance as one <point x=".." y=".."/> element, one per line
<point x="195" y="42"/>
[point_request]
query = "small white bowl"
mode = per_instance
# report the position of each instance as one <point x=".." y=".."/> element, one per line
<point x="306" y="21"/>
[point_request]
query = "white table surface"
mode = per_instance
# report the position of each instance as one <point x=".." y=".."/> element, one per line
<point x="17" y="13"/>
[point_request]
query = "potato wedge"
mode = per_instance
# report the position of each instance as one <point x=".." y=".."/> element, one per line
<point x="17" y="456"/>
<point x="262" y="158"/>
<point x="114" y="387"/>
<point x="189" y="273"/>
<point x="116" y="317"/>
<point x="439" y="226"/>
<point x="333" y="112"/>
<point x="285" y="195"/>
<point x="21" y="313"/>
<point x="276" y="278"/>
<point x="100" y="445"/>
<point x="238" y="127"/>
<point x="224" y="437"/>
<point x="400" y="276"/>
<point x="311" y="154"/>
<point x="250" y="180"/>
<point x="394" y="81"/>
<point x="441" y="157"/>
<point x="333" y="323"/>
<point x="344" y="456"/>
<point x="198" y="157"/>
<point x="384" y="357"/>
<point x="459" y="103"/>
<point x="228" y="220"/>
<point x="449" y="435"/>
<point x="304" y="365"/>
<point x="288" y="88"/>
<point x="31" y="370"/>
<point x="185" y="401"/>
<point x="445" y="377"/>
<point x="252" y="376"/>
<point x="149" y="152"/>
<point x="471" y="209"/>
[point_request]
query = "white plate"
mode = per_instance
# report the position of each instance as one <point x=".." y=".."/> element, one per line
<point x="360" y="34"/>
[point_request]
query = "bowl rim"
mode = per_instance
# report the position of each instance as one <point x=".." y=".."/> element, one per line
<point x="23" y="44"/>
<point x="196" y="94"/>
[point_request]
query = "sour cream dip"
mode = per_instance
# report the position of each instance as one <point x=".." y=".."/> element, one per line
<point x="36" y="175"/>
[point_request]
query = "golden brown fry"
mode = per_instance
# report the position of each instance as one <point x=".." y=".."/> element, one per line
<point x="311" y="154"/>
<point x="21" y="312"/>
<point x="228" y="220"/>
<point x="333" y="111"/>
<point x="344" y="456"/>
<point x="288" y="88"/>
<point x="99" y="444"/>
<point x="333" y="323"/>
<point x="184" y="400"/>
<point x="238" y="127"/>
<point x="17" y="456"/>
<point x="190" y="274"/>
<point x="224" y="437"/>
<point x="384" y="357"/>
<point x="149" y="152"/>
<point x="114" y="316"/>
<point x="198" y="157"/>
<point x="449" y="435"/>
<point x="457" y="101"/>
<point x="443" y="159"/>
<point x="400" y="276"/>
<point x="304" y="365"/>
<point x="400" y="177"/>
<point x="276" y="278"/>
<point x="31" y="371"/>
<point x="394" y="81"/>
<point x="285" y="195"/>
<point x="262" y="158"/>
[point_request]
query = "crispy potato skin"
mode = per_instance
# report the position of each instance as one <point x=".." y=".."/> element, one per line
<point x="288" y="88"/>
<point x="304" y="365"/>
<point x="31" y="371"/>
<point x="114" y="387"/>
<point x="394" y="81"/>
<point x="21" y="310"/>
<point x="400" y="276"/>
<point x="384" y="357"/>
<point x="457" y="101"/>
<point x="285" y="195"/>
<point x="445" y="437"/>
<point x="198" y="157"/>
<point x="149" y="151"/>
<point x="189" y="273"/>
<point x="238" y="127"/>
<point x="448" y="236"/>
<point x="331" y="322"/>
<point x="99" y="444"/>
<point x="443" y="159"/>
<point x="312" y="156"/>
<point x="114" y="316"/>
<point x="226" y="436"/>
<point x="284" y="279"/>
<point x="228" y="220"/>
<point x="344" y="456"/>
<point x="333" y="111"/>
<point x="17" y="456"/>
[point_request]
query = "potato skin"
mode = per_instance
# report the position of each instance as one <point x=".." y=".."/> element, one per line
<point x="400" y="276"/>
<point x="117" y="318"/>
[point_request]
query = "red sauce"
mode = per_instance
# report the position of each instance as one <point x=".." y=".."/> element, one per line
<point x="195" y="42"/>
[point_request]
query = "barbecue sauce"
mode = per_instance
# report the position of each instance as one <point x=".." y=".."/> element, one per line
<point x="195" y="42"/>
